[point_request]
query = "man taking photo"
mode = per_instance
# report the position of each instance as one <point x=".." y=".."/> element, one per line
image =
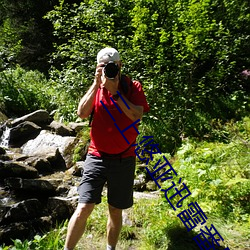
<point x="117" y="104"/>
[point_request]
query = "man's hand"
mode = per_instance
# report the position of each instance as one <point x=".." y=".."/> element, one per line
<point x="111" y="84"/>
<point x="98" y="73"/>
<point x="86" y="103"/>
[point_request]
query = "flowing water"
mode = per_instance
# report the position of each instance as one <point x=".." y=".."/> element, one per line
<point x="4" y="140"/>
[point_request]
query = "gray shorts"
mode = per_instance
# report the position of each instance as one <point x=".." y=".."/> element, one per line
<point x="119" y="175"/>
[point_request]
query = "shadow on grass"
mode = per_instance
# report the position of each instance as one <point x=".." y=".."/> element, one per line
<point x="180" y="239"/>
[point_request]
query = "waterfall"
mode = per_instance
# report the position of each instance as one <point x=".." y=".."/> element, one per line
<point x="4" y="140"/>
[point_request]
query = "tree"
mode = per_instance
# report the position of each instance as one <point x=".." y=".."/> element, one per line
<point x="26" y="37"/>
<point x="187" y="54"/>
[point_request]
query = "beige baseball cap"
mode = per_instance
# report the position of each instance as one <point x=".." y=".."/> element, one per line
<point x="108" y="54"/>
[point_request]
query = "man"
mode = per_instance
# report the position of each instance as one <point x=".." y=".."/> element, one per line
<point x="110" y="158"/>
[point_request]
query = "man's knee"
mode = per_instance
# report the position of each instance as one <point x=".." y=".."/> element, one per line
<point x="83" y="210"/>
<point x="113" y="211"/>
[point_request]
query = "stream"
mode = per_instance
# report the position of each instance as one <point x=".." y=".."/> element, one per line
<point x="4" y="139"/>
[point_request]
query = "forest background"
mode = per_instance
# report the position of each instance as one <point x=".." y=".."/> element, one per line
<point x="191" y="56"/>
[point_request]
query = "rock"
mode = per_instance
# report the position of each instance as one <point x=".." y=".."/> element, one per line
<point x="73" y="192"/>
<point x="34" y="174"/>
<point x="47" y="141"/>
<point x="61" y="129"/>
<point x="140" y="182"/>
<point x="39" y="117"/>
<point x="55" y="158"/>
<point x="50" y="154"/>
<point x="18" y="230"/>
<point x="60" y="208"/>
<point x="3" y="155"/>
<point x="4" y="158"/>
<point x="126" y="221"/>
<point x="78" y="126"/>
<point x="151" y="195"/>
<point x="23" y="211"/>
<point x="44" y="223"/>
<point x="76" y="170"/>
<point x="15" y="155"/>
<point x="42" y="165"/>
<point x="23" y="132"/>
<point x="3" y="210"/>
<point x="2" y="151"/>
<point x="34" y="187"/>
<point x="16" y="169"/>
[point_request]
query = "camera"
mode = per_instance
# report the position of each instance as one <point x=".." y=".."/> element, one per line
<point x="111" y="69"/>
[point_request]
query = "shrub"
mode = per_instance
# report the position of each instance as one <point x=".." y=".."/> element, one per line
<point x="24" y="91"/>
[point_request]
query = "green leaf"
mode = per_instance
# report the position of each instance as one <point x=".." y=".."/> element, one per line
<point x="236" y="180"/>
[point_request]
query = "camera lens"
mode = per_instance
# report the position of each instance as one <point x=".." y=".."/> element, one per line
<point x="111" y="70"/>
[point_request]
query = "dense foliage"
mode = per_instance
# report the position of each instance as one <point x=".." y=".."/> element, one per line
<point x="189" y="56"/>
<point x="24" y="91"/>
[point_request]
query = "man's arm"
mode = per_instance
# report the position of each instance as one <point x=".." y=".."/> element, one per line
<point x="135" y="112"/>
<point x="86" y="104"/>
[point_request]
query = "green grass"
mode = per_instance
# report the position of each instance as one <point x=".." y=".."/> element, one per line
<point x="53" y="240"/>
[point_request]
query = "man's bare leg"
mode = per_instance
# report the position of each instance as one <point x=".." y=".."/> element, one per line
<point x="77" y="224"/>
<point x="114" y="225"/>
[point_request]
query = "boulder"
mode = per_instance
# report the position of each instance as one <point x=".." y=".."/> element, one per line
<point x="16" y="169"/>
<point x="35" y="175"/>
<point x="60" y="208"/>
<point x="34" y="187"/>
<point x="55" y="159"/>
<point x="3" y="155"/>
<point x="23" y="211"/>
<point x="76" y="170"/>
<point x="78" y="126"/>
<point x="61" y="129"/>
<point x="17" y="230"/>
<point x="73" y="192"/>
<point x="44" y="223"/>
<point x="39" y="117"/>
<point x="42" y="165"/>
<point x="23" y="132"/>
<point x="3" y="210"/>
<point x="140" y="182"/>
<point x="46" y="159"/>
<point x="48" y="142"/>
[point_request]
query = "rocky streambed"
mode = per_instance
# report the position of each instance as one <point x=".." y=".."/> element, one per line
<point x="38" y="176"/>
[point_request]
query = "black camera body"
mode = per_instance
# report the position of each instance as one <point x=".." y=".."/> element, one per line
<point x="111" y="69"/>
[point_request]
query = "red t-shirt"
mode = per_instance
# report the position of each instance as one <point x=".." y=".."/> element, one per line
<point x="105" y="136"/>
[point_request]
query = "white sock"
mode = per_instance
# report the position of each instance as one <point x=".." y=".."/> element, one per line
<point x="110" y="247"/>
